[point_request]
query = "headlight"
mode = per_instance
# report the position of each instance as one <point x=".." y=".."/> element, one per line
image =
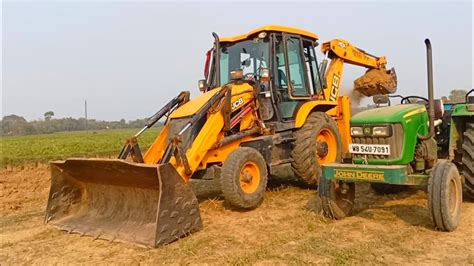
<point x="357" y="131"/>
<point x="383" y="131"/>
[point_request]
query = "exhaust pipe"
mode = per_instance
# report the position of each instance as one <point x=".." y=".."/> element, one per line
<point x="217" y="57"/>
<point x="431" y="113"/>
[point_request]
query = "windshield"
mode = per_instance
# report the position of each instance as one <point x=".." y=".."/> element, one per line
<point x="250" y="56"/>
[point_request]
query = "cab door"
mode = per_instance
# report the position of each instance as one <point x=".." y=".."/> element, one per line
<point x="295" y="73"/>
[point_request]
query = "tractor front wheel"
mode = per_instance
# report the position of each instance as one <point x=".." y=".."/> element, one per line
<point x="337" y="197"/>
<point x="244" y="178"/>
<point x="317" y="142"/>
<point x="445" y="196"/>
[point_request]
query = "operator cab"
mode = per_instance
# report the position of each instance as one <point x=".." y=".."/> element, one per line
<point x="281" y="63"/>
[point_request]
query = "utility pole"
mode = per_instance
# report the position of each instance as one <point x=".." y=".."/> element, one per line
<point x="85" y="111"/>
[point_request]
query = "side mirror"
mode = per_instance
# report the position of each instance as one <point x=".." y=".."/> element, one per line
<point x="381" y="99"/>
<point x="202" y="85"/>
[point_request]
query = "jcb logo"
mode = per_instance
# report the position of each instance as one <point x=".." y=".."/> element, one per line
<point x="237" y="104"/>
<point x="334" y="88"/>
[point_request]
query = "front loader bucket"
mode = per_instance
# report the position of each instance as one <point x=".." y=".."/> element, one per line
<point x="123" y="201"/>
<point x="377" y="81"/>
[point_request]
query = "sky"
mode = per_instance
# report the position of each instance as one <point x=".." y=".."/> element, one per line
<point x="127" y="59"/>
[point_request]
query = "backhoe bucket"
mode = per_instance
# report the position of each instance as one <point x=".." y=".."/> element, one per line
<point x="377" y="81"/>
<point x="123" y="201"/>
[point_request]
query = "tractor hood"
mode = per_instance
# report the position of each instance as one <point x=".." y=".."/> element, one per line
<point x="389" y="114"/>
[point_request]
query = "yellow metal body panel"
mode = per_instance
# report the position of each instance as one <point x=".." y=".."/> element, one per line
<point x="344" y="52"/>
<point x="220" y="154"/>
<point x="310" y="106"/>
<point x="204" y="141"/>
<point x="353" y="55"/>
<point x="241" y="95"/>
<point x="201" y="151"/>
<point x="269" y="28"/>
<point x="155" y="152"/>
<point x="342" y="115"/>
<point x="334" y="79"/>
<point x="193" y="106"/>
<point x="414" y="112"/>
<point x="340" y="111"/>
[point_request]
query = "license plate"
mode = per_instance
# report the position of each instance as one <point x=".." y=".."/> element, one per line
<point x="375" y="149"/>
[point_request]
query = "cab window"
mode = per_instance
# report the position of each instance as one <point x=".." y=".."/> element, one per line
<point x="295" y="68"/>
<point x="312" y="69"/>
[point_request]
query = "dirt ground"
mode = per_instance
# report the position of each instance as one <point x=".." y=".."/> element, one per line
<point x="384" y="229"/>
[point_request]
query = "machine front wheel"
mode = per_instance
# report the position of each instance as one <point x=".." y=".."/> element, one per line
<point x="337" y="197"/>
<point x="445" y="196"/>
<point x="244" y="178"/>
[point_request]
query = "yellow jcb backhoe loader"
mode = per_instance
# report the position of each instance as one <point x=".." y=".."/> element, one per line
<point x="265" y="102"/>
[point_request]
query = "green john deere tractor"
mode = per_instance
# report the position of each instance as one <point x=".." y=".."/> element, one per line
<point x="461" y="141"/>
<point x="393" y="147"/>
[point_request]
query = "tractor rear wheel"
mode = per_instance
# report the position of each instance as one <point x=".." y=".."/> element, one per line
<point x="317" y="142"/>
<point x="337" y="197"/>
<point x="467" y="157"/>
<point x="445" y="196"/>
<point x="244" y="178"/>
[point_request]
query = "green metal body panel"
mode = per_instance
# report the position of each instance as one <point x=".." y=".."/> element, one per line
<point x="463" y="109"/>
<point x="388" y="174"/>
<point x="414" y="121"/>
<point x="461" y="113"/>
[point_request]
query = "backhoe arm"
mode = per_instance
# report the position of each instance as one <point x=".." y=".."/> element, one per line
<point x="377" y="80"/>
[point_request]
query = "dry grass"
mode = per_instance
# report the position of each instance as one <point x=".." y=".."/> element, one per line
<point x="384" y="229"/>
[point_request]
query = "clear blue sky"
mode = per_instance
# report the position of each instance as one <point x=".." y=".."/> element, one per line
<point x="127" y="59"/>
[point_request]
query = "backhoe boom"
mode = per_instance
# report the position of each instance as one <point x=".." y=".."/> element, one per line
<point x="377" y="80"/>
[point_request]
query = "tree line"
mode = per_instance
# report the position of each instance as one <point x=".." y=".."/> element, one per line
<point x="17" y="125"/>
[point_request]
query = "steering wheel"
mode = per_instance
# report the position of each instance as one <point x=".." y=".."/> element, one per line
<point x="406" y="100"/>
<point x="249" y="76"/>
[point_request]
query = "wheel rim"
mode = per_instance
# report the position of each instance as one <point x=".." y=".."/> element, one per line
<point x="453" y="197"/>
<point x="249" y="177"/>
<point x="326" y="144"/>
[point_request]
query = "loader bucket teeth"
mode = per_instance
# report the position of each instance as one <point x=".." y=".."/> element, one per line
<point x="121" y="201"/>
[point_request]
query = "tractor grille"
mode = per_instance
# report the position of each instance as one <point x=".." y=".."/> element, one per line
<point x="395" y="141"/>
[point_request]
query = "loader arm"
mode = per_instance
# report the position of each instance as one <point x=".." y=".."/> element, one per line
<point x="206" y="121"/>
<point x="379" y="81"/>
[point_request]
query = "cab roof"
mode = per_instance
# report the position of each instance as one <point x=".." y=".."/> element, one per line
<point x="271" y="28"/>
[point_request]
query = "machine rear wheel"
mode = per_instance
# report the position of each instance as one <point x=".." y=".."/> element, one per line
<point x="445" y="196"/>
<point x="244" y="178"/>
<point x="337" y="197"/>
<point x="467" y="157"/>
<point x="317" y="142"/>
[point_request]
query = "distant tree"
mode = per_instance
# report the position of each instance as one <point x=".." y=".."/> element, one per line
<point x="48" y="115"/>
<point x="457" y="96"/>
<point x="16" y="125"/>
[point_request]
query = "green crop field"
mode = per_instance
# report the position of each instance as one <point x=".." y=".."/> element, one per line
<point x="16" y="150"/>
